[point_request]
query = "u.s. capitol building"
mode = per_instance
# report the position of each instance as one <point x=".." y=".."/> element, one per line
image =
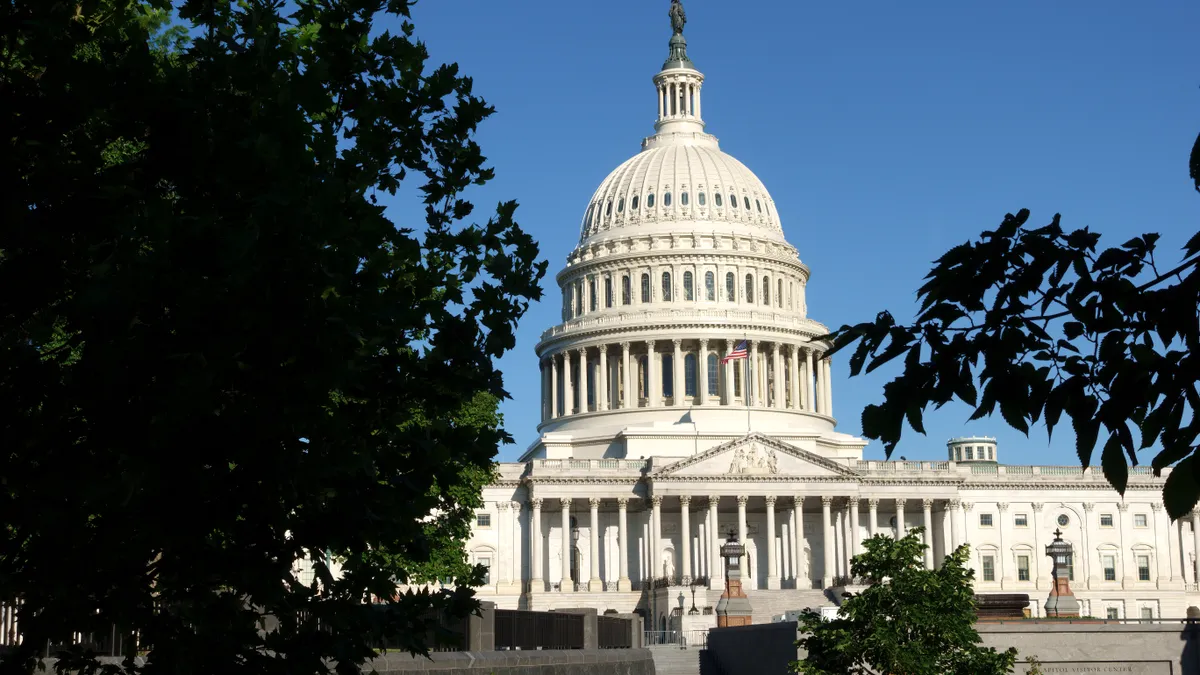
<point x="652" y="447"/>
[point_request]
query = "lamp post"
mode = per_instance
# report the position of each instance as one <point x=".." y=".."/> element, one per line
<point x="733" y="609"/>
<point x="1062" y="601"/>
<point x="574" y="559"/>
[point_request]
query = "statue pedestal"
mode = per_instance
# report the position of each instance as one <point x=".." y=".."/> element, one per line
<point x="733" y="609"/>
<point x="1062" y="602"/>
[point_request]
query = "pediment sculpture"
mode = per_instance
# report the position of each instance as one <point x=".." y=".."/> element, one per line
<point x="754" y="459"/>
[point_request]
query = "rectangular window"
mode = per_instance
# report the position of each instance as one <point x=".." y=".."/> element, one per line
<point x="626" y="293"/>
<point x="486" y="562"/>
<point x="688" y="293"/>
<point x="1110" y="567"/>
<point x="483" y="520"/>
<point x="1022" y="568"/>
<point x="989" y="568"/>
<point x="1143" y="563"/>
<point x="608" y="297"/>
<point x="1021" y="520"/>
<point x="713" y="373"/>
<point x="1139" y="520"/>
<point x="710" y="287"/>
<point x="645" y="288"/>
<point x="1147" y="612"/>
<point x="1112" y="613"/>
<point x="666" y="366"/>
<point x="592" y="298"/>
<point x="1106" y="520"/>
<point x="985" y="520"/>
<point x="970" y="452"/>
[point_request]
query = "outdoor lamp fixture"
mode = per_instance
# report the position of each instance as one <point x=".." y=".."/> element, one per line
<point x="693" y="611"/>
<point x="575" y="534"/>
<point x="1061" y="601"/>
<point x="1060" y="553"/>
<point x="732" y="551"/>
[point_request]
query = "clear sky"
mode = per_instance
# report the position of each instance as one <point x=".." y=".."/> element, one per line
<point x="887" y="133"/>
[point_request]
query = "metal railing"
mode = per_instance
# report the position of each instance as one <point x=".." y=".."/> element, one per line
<point x="677" y="638"/>
<point x="526" y="630"/>
<point x="613" y="633"/>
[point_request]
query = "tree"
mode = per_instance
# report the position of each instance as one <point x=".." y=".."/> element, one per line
<point x="1046" y="325"/>
<point x="219" y="354"/>
<point x="909" y="621"/>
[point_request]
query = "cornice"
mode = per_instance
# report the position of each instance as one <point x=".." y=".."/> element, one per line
<point x="621" y="261"/>
<point x="630" y="326"/>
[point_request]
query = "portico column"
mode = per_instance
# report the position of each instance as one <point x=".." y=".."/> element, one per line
<point x="583" y="380"/>
<point x="873" y="516"/>
<point x="655" y="537"/>
<point x="566" y="585"/>
<point x="569" y="385"/>
<point x="545" y="379"/>
<point x="629" y="400"/>
<point x="793" y="378"/>
<point x="595" y="585"/>
<point x="504" y="535"/>
<point x="602" y="379"/>
<point x="855" y="532"/>
<point x="751" y="384"/>
<point x="716" y="571"/>
<point x="1002" y="527"/>
<point x="677" y="373"/>
<point x="623" y="542"/>
<point x="772" y="553"/>
<point x="798" y="541"/>
<point x="826" y="374"/>
<point x="954" y="537"/>
<point x="809" y="375"/>
<point x="702" y="366"/>
<point x="1162" y="559"/>
<point x="927" y="509"/>
<point x="654" y="382"/>
<point x="777" y="366"/>
<point x="685" y="538"/>
<point x="1037" y="564"/>
<point x="727" y="367"/>
<point x="554" y="411"/>
<point x="535" y="547"/>
<point x="827" y="541"/>
<point x="901" y="526"/>
<point x="1196" y="544"/>
<point x="741" y="502"/>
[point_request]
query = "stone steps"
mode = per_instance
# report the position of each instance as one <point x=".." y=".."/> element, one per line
<point x="765" y="605"/>
<point x="671" y="660"/>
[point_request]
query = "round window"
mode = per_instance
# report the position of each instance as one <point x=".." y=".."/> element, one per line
<point x="1063" y="520"/>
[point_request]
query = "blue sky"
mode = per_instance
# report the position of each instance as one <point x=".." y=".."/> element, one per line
<point x="886" y="132"/>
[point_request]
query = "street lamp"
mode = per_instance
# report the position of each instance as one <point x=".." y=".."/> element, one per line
<point x="733" y="609"/>
<point x="1062" y="601"/>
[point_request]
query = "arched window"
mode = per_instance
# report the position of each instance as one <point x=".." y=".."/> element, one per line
<point x="650" y="200"/>
<point x="645" y="287"/>
<point x="766" y="290"/>
<point x="608" y="208"/>
<point x="689" y="374"/>
<point x="666" y="286"/>
<point x="626" y="293"/>
<point x="746" y="200"/>
<point x="701" y="198"/>
<point x="666" y="199"/>
<point x="729" y="287"/>
<point x="592" y="294"/>
<point x="750" y="288"/>
<point x="768" y="209"/>
<point x="579" y="297"/>
<point x="717" y="198"/>
<point x="733" y="200"/>
<point x="710" y="286"/>
<point x="643" y="378"/>
<point x="688" y="289"/>
<point x="779" y="294"/>
<point x="713" y="373"/>
<point x="758" y="205"/>
<point x="608" y="299"/>
<point x="620" y="205"/>
<point x="683" y="199"/>
<point x="666" y="369"/>
<point x="634" y="204"/>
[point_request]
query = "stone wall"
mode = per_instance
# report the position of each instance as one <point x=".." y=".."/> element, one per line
<point x="540" y="662"/>
<point x="759" y="649"/>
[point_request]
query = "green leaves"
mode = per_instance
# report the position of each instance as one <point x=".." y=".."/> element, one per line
<point x="1035" y="322"/>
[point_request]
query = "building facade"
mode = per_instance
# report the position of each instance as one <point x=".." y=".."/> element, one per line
<point x="655" y="445"/>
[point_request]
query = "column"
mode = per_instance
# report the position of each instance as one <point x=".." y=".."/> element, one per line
<point x="697" y="100"/>
<point x="629" y="400"/>
<point x="1001" y="557"/>
<point x="728" y="367"/>
<point x="716" y="570"/>
<point x="660" y="102"/>
<point x="798" y="542"/>
<point x="656" y="569"/>
<point x="623" y="542"/>
<point x="1162" y="548"/>
<point x="1175" y="541"/>
<point x="844" y="530"/>
<point x="827" y="385"/>
<point x="685" y="539"/>
<point x="777" y="366"/>
<point x="502" y="534"/>
<point x="583" y="380"/>
<point x="702" y="368"/>
<point x="516" y="571"/>
<point x="545" y="380"/>
<point x="955" y="541"/>
<point x="554" y="411"/>
<point x="966" y="529"/>
<point x="595" y="585"/>
<point x="535" y="547"/>
<point x="741" y="502"/>
<point x="827" y="536"/>
<point x="654" y="383"/>
<point x="566" y="585"/>
<point x="1038" y="552"/>
<point x="855" y="532"/>
<point x="901" y="526"/>
<point x="751" y="393"/>
<point x="794" y="378"/>
<point x="602" y="379"/>
<point x="1196" y="545"/>
<point x="873" y="516"/>
<point x="568" y="385"/>
<point x="927" y="511"/>
<point x="809" y="376"/>
<point x="677" y="371"/>
<point x="1083" y="559"/>
<point x="772" y="554"/>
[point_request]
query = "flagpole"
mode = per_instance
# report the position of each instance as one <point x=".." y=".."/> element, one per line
<point x="749" y="397"/>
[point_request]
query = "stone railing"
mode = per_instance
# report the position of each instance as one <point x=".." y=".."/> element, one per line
<point x="607" y="318"/>
<point x="876" y="467"/>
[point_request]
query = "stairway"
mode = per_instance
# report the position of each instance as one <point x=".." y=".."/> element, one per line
<point x="766" y="605"/>
<point x="671" y="660"/>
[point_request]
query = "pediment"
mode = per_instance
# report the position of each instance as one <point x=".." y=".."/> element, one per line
<point x="756" y="455"/>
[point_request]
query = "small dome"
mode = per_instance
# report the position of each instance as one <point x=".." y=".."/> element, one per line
<point x="681" y="184"/>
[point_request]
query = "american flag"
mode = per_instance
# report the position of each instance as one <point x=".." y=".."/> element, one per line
<point x="739" y="352"/>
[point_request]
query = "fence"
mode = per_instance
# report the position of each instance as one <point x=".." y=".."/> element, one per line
<point x="613" y="633"/>
<point x="679" y="638"/>
<point x="522" y="629"/>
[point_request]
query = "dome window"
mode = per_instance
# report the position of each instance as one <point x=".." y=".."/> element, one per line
<point x="683" y="198"/>
<point x="766" y="296"/>
<point x="700" y="197"/>
<point x="650" y="200"/>
<point x="666" y="199"/>
<point x="689" y="374"/>
<point x="733" y="200"/>
<point x="710" y="287"/>
<point x="666" y="286"/>
<point x="717" y="198"/>
<point x="729" y="287"/>
<point x="747" y="202"/>
<point x="749" y="287"/>
<point x="779" y="295"/>
<point x="633" y="204"/>
<point x="626" y="293"/>
<point x="688" y="289"/>
<point x="645" y="288"/>
<point x="757" y="204"/>
<point x="608" y="208"/>
<point x="620" y="205"/>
